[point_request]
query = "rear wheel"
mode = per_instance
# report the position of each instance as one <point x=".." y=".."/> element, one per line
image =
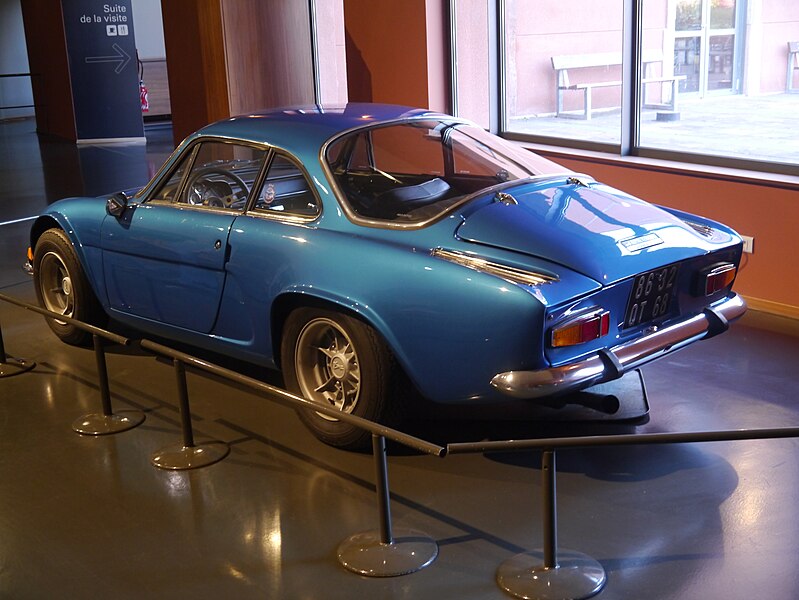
<point x="337" y="361"/>
<point x="61" y="286"/>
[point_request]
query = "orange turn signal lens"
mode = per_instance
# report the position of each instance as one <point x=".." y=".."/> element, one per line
<point x="582" y="329"/>
<point x="30" y="254"/>
<point x="719" y="278"/>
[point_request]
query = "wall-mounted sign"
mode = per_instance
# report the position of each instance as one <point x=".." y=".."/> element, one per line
<point x="102" y="61"/>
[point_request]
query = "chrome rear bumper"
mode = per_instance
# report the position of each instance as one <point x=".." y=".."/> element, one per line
<point x="607" y="365"/>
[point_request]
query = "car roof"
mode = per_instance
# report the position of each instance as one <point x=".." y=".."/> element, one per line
<point x="300" y="129"/>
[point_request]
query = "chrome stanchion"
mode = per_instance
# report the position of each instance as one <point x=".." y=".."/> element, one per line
<point x="386" y="553"/>
<point x="12" y="366"/>
<point x="566" y="574"/>
<point x="106" y="422"/>
<point x="188" y="455"/>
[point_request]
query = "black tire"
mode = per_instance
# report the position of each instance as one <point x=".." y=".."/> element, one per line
<point x="337" y="360"/>
<point x="61" y="286"/>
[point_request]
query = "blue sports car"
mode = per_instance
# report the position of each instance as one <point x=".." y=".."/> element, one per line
<point x="367" y="248"/>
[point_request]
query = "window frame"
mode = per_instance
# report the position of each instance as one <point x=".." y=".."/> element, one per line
<point x="188" y="153"/>
<point x="275" y="215"/>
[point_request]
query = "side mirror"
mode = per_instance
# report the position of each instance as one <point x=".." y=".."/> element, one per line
<point x="117" y="204"/>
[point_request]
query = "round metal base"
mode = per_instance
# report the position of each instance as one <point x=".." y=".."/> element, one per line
<point x="14" y="366"/>
<point x="576" y="576"/>
<point x="182" y="458"/>
<point x="100" y="424"/>
<point x="366" y="554"/>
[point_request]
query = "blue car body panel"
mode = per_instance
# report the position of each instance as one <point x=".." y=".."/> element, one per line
<point x="587" y="229"/>
<point x="218" y="279"/>
<point x="158" y="264"/>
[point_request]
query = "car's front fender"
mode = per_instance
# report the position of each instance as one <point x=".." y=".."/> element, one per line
<point x="81" y="219"/>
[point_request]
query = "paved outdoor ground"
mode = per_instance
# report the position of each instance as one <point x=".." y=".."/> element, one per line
<point x="749" y="127"/>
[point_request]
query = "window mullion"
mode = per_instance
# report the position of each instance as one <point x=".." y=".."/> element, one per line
<point x="632" y="35"/>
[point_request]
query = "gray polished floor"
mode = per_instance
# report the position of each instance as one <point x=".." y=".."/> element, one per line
<point x="89" y="517"/>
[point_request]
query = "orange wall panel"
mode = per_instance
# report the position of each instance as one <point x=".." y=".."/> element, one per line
<point x="390" y="38"/>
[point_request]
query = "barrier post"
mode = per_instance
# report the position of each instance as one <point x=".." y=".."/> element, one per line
<point x="106" y="422"/>
<point x="549" y="501"/>
<point x="570" y="575"/>
<point x="386" y="553"/>
<point x="187" y="455"/>
<point x="12" y="366"/>
<point x="383" y="493"/>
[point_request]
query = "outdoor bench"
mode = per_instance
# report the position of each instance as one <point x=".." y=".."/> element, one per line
<point x="572" y="62"/>
<point x="793" y="65"/>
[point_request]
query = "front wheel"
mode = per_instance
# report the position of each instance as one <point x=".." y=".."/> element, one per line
<point x="61" y="286"/>
<point x="340" y="362"/>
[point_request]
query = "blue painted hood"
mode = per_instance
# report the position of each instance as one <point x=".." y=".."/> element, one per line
<point x="594" y="230"/>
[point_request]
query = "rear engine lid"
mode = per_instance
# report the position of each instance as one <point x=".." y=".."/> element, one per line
<point x="592" y="229"/>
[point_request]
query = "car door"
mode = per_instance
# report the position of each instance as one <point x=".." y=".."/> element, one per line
<point x="272" y="248"/>
<point x="164" y="258"/>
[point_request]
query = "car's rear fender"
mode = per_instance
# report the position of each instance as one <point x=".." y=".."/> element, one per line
<point x="448" y="334"/>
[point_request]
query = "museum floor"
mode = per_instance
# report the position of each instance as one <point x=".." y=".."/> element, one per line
<point x="89" y="517"/>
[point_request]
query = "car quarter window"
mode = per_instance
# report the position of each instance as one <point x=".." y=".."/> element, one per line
<point x="411" y="149"/>
<point x="286" y="190"/>
<point x="216" y="174"/>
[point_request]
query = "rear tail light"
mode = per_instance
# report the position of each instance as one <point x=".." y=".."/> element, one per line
<point x="716" y="278"/>
<point x="582" y="329"/>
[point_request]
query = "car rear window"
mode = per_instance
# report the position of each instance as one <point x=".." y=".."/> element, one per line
<point x="415" y="171"/>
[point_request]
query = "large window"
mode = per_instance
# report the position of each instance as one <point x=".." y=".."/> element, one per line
<point x="562" y="69"/>
<point x="709" y="85"/>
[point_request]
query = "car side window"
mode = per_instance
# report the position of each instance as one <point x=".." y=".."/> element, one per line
<point x="220" y="175"/>
<point x="168" y="190"/>
<point x="286" y="190"/>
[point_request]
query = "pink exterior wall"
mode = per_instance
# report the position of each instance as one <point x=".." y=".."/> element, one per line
<point x="780" y="22"/>
<point x="537" y="31"/>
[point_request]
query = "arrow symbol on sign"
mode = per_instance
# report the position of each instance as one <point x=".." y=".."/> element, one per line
<point x="122" y="58"/>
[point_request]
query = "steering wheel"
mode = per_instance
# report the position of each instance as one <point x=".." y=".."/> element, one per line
<point x="202" y="190"/>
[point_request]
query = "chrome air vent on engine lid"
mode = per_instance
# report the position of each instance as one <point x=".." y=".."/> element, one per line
<point x="506" y="272"/>
<point x="700" y="229"/>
